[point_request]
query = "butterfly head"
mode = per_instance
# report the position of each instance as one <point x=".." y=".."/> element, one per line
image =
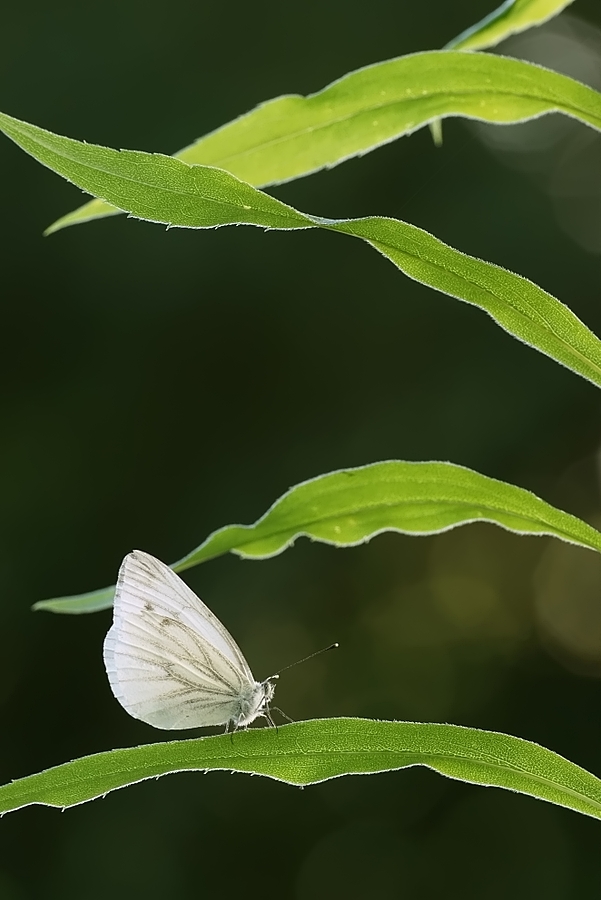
<point x="254" y="702"/>
<point x="269" y="689"/>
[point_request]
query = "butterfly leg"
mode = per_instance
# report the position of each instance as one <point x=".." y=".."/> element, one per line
<point x="230" y="727"/>
<point x="267" y="715"/>
<point x="282" y="713"/>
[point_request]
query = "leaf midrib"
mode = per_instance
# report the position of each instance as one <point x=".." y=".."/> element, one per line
<point x="303" y="527"/>
<point x="225" y="762"/>
<point x="568" y="109"/>
<point x="62" y="154"/>
<point x="492" y="763"/>
<point x="535" y="317"/>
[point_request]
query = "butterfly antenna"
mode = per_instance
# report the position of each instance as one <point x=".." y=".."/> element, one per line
<point x="305" y="658"/>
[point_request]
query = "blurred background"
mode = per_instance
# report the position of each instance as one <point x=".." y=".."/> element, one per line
<point x="157" y="385"/>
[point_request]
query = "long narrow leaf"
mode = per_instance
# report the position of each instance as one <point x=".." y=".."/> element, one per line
<point x="509" y="18"/>
<point x="309" y="752"/>
<point x="163" y="189"/>
<point x="351" y="506"/>
<point x="292" y="136"/>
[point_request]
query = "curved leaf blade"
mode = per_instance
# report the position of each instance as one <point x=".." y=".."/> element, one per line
<point x="162" y="189"/>
<point x="292" y="136"/>
<point x="351" y="506"/>
<point x="509" y="18"/>
<point x="306" y="753"/>
<point x="519" y="306"/>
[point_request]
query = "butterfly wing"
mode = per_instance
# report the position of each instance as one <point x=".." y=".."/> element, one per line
<point x="169" y="660"/>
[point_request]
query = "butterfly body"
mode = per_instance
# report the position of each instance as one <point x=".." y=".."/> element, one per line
<point x="170" y="661"/>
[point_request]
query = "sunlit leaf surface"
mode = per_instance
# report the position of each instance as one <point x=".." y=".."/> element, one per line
<point x="351" y="506"/>
<point x="309" y="752"/>
<point x="509" y="18"/>
<point x="163" y="189"/>
<point x="292" y="136"/>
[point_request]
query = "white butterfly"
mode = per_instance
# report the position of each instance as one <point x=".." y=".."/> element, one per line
<point x="170" y="661"/>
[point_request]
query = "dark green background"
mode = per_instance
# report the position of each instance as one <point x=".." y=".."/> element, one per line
<point x="156" y="386"/>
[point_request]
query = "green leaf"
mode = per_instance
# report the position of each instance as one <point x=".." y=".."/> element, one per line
<point x="163" y="189"/>
<point x="91" y="601"/>
<point x="351" y="506"/>
<point x="309" y="752"/>
<point x="510" y="18"/>
<point x="293" y="136"/>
